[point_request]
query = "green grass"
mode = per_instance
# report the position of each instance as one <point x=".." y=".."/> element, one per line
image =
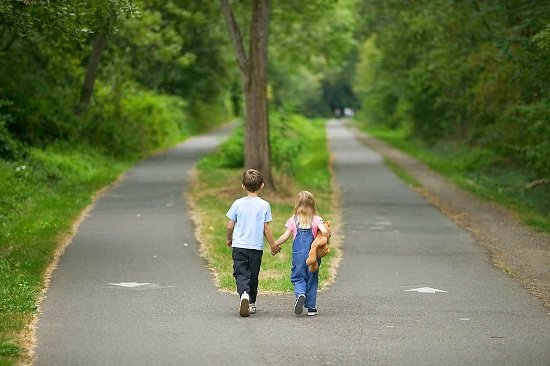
<point x="217" y="187"/>
<point x="42" y="195"/>
<point x="479" y="171"/>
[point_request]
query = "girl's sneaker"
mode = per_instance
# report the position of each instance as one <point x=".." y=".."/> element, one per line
<point x="311" y="311"/>
<point x="252" y="308"/>
<point x="299" y="304"/>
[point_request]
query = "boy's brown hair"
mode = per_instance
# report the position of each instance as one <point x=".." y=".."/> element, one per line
<point x="253" y="180"/>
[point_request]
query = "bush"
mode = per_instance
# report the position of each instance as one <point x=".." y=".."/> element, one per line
<point x="228" y="155"/>
<point x="521" y="134"/>
<point x="284" y="140"/>
<point x="137" y="123"/>
<point x="9" y="147"/>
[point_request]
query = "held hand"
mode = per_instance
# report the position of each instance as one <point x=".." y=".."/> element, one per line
<point x="275" y="249"/>
<point x="229" y="242"/>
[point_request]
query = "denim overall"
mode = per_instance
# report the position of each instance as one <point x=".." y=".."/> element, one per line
<point x="303" y="280"/>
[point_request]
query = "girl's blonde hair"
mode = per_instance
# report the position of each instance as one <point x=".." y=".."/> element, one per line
<point x="304" y="208"/>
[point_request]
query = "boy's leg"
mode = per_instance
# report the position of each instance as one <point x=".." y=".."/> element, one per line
<point x="241" y="270"/>
<point x="255" y="264"/>
<point x="312" y="283"/>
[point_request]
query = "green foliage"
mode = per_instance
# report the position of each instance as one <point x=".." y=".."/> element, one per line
<point x="310" y="43"/>
<point x="298" y="149"/>
<point x="522" y="133"/>
<point x="284" y="139"/>
<point x="152" y="46"/>
<point x="9" y="147"/>
<point x="229" y="154"/>
<point x="181" y="50"/>
<point x="460" y="71"/>
<point x="139" y="122"/>
<point x="542" y="39"/>
<point x="9" y="350"/>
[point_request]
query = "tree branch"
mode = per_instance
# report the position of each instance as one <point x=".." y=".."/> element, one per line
<point x="236" y="37"/>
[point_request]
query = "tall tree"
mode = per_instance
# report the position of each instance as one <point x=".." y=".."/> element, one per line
<point x="107" y="14"/>
<point x="91" y="72"/>
<point x="253" y="71"/>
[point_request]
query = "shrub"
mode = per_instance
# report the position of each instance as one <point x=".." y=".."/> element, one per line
<point x="521" y="134"/>
<point x="137" y="123"/>
<point x="284" y="140"/>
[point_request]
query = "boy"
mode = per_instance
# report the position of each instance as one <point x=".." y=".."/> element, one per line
<point x="248" y="223"/>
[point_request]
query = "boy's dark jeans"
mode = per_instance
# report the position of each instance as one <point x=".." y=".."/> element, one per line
<point x="246" y="269"/>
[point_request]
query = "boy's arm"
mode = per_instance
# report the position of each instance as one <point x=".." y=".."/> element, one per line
<point x="283" y="238"/>
<point x="269" y="236"/>
<point x="229" y="228"/>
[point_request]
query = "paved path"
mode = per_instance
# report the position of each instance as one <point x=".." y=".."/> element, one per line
<point x="393" y="242"/>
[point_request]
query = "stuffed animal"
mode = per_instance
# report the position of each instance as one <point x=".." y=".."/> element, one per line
<point x="319" y="248"/>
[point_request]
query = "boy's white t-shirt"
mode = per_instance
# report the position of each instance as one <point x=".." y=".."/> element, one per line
<point x="250" y="214"/>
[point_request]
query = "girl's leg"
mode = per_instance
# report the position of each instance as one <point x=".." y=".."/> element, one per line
<point x="298" y="273"/>
<point x="312" y="283"/>
<point x="255" y="263"/>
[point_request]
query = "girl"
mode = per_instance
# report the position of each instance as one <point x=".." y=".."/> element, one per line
<point x="304" y="225"/>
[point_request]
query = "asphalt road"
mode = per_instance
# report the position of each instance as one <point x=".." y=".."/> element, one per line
<point x="132" y="288"/>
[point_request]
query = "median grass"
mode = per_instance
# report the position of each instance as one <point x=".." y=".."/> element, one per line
<point x="479" y="171"/>
<point x="217" y="186"/>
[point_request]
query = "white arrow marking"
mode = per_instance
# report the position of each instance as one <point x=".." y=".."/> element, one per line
<point x="426" y="290"/>
<point x="129" y="284"/>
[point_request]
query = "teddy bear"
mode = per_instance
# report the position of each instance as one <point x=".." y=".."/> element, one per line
<point x="319" y="248"/>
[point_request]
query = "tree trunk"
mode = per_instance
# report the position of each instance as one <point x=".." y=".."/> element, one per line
<point x="257" y="146"/>
<point x="91" y="73"/>
<point x="257" y="154"/>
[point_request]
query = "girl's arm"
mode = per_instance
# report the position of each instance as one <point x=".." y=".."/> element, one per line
<point x="269" y="236"/>
<point x="324" y="231"/>
<point x="283" y="237"/>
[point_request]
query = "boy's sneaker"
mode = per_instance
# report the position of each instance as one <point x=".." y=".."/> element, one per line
<point x="245" y="301"/>
<point x="299" y="304"/>
<point x="311" y="311"/>
<point x="252" y="308"/>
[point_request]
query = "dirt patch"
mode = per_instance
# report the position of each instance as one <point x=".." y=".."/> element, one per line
<point x="521" y="252"/>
